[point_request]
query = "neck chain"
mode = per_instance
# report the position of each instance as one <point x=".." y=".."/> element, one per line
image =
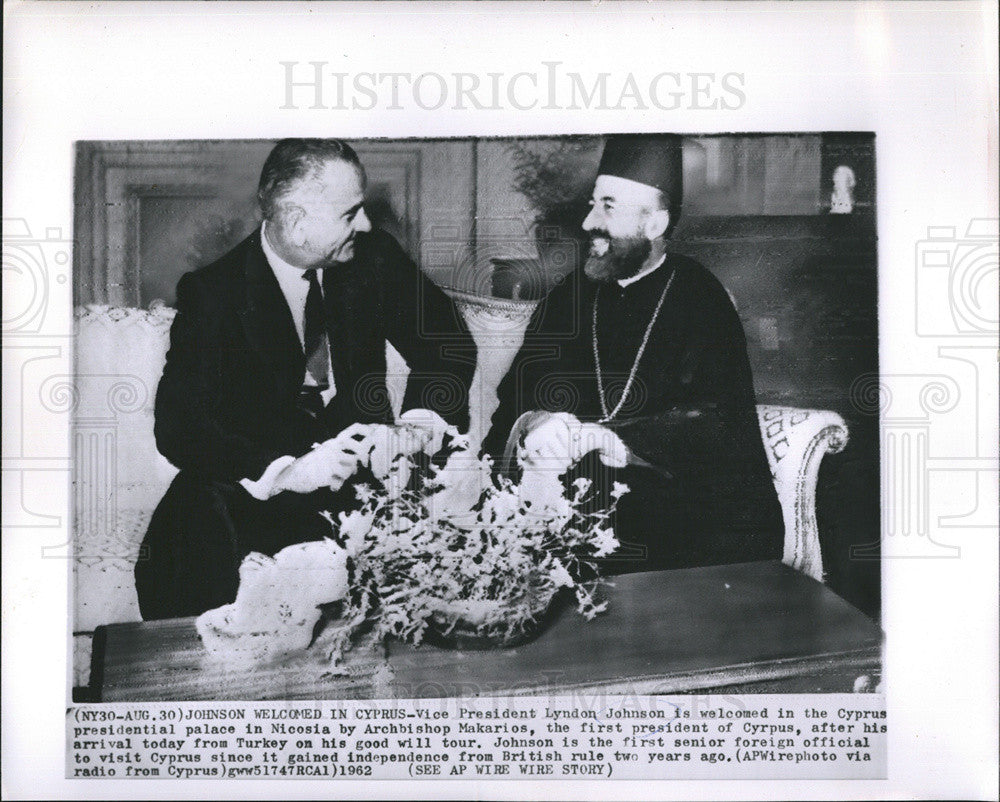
<point x="609" y="416"/>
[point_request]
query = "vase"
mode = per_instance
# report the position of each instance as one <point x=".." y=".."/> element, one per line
<point x="447" y="632"/>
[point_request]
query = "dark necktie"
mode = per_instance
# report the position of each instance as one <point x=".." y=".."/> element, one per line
<point x="317" y="347"/>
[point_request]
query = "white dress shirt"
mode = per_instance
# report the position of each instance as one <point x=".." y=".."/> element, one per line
<point x="295" y="289"/>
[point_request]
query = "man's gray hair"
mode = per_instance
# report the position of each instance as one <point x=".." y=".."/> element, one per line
<point x="293" y="160"/>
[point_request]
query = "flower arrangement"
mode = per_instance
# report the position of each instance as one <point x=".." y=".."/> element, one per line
<point x="456" y="550"/>
<point x="471" y="552"/>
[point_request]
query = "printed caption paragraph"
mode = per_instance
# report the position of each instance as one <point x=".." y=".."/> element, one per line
<point x="668" y="737"/>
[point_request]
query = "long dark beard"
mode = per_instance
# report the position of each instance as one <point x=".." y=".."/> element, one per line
<point x="624" y="258"/>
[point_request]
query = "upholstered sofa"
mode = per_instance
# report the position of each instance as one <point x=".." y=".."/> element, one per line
<point x="119" y="476"/>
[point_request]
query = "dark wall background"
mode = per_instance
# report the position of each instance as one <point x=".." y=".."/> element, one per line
<point x="806" y="290"/>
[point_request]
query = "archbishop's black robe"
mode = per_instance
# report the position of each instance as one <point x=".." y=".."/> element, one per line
<point x="691" y="413"/>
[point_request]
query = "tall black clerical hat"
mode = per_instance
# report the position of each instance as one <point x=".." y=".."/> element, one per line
<point x="651" y="159"/>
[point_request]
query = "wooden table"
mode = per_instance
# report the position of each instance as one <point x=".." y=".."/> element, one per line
<point x="750" y="627"/>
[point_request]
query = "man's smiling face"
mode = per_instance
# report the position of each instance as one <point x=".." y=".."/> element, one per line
<point x="618" y="224"/>
<point x="333" y="213"/>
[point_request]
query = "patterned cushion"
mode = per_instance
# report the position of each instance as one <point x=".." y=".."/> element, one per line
<point x="796" y="441"/>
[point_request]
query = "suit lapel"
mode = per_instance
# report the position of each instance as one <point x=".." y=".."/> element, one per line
<point x="267" y="320"/>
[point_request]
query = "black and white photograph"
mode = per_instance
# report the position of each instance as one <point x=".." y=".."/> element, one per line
<point x="498" y="400"/>
<point x="464" y="417"/>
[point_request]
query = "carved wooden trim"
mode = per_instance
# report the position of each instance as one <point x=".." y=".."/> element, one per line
<point x="112" y="179"/>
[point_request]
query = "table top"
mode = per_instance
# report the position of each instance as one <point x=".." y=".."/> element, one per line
<point x="663" y="632"/>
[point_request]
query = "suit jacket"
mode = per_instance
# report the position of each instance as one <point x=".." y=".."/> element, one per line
<point x="226" y="404"/>
<point x="691" y="412"/>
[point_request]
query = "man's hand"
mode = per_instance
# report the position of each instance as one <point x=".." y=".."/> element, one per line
<point x="594" y="437"/>
<point x="461" y="483"/>
<point x="433" y="424"/>
<point x="328" y="465"/>
<point x="389" y="443"/>
<point x="556" y="441"/>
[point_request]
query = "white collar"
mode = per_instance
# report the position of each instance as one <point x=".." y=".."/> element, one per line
<point x="624" y="282"/>
<point x="282" y="269"/>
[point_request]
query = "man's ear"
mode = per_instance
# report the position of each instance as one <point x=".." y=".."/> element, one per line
<point x="293" y="218"/>
<point x="656" y="224"/>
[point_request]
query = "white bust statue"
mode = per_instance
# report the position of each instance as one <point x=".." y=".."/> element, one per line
<point x="842" y="199"/>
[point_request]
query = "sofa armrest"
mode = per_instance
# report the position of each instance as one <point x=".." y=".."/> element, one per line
<point x="796" y="440"/>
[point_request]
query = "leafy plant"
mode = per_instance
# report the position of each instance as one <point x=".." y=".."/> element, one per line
<point x="471" y="550"/>
<point x="556" y="176"/>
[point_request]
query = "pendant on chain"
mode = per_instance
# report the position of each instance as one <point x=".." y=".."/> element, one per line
<point x="610" y="416"/>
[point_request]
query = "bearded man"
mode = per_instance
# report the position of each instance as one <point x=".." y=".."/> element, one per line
<point x="639" y="367"/>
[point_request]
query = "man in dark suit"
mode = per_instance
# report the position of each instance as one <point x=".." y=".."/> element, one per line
<point x="276" y="371"/>
<point x="638" y="367"/>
